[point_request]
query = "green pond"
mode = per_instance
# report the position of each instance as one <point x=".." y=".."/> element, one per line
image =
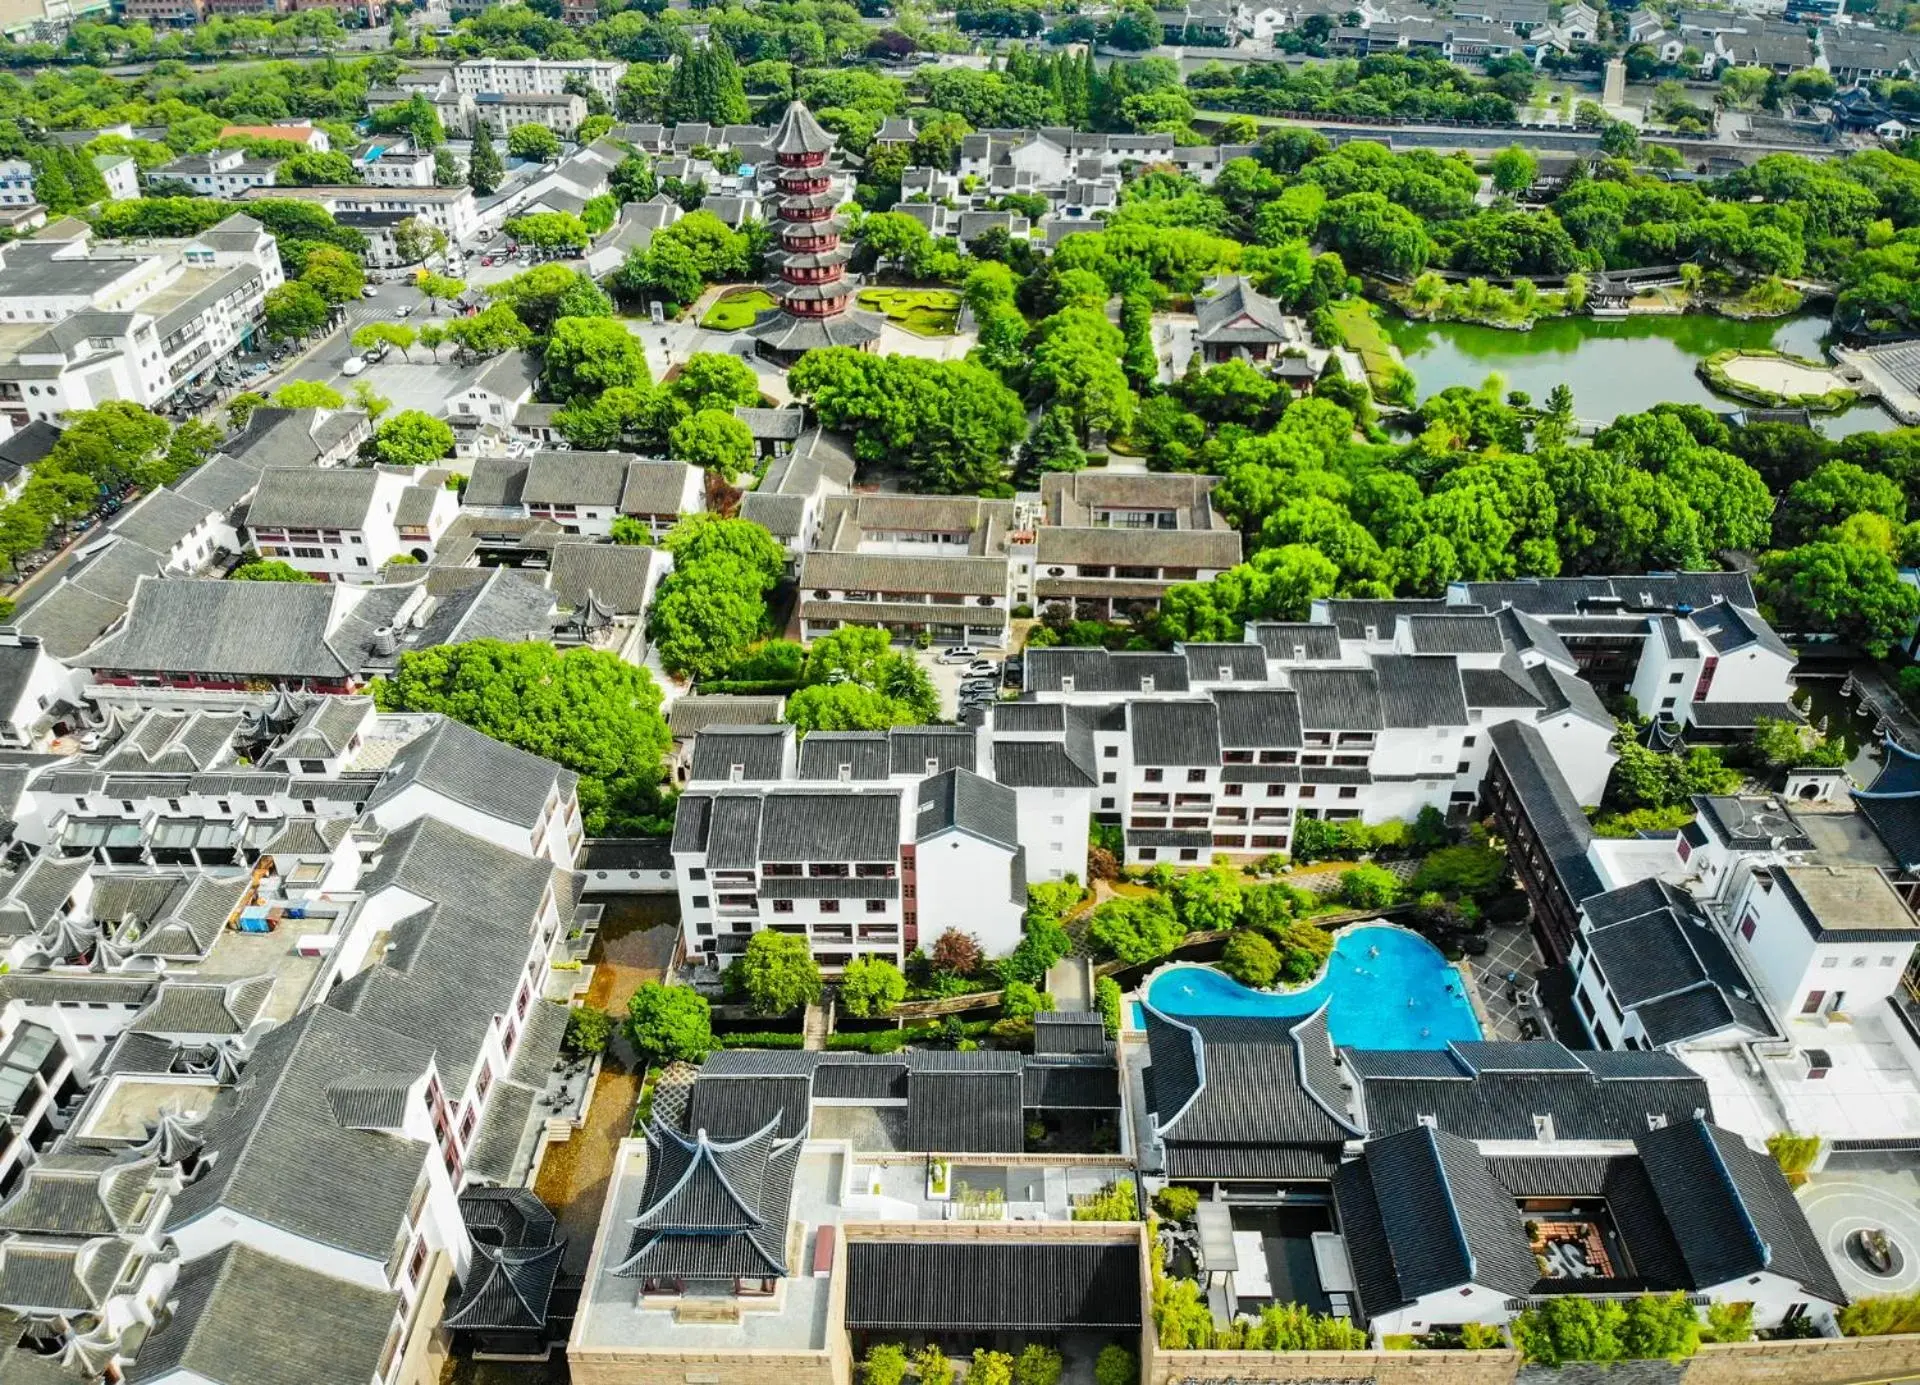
<point x="1613" y="365"/>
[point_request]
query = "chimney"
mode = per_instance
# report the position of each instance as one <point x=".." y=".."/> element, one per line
<point x="385" y="641"/>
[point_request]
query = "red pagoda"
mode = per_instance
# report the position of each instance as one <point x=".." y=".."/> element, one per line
<point x="814" y="289"/>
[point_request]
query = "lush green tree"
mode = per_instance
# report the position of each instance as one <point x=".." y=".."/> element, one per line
<point x="1369" y="232"/>
<point x="412" y="438"/>
<point x="549" y="231"/>
<point x="310" y="168"/>
<point x="1208" y="900"/>
<point x="294" y="312"/>
<point x="1834" y="492"/>
<point x="1369" y="887"/>
<point x="585" y="709"/>
<point x="589" y="355"/>
<point x="308" y="394"/>
<point x="1470" y="870"/>
<point x="706" y="86"/>
<point x="870" y="987"/>
<point x="489" y="332"/>
<point x="1841" y="589"/>
<point x="542" y="295"/>
<point x="952" y="422"/>
<point x="700" y="538"/>
<point x="1251" y="960"/>
<point x="484" y="167"/>
<point x="1135" y="930"/>
<point x="1052" y="445"/>
<point x="714" y="380"/>
<point x="1038" y="1365"/>
<point x="714" y="440"/>
<point x="776" y="974"/>
<point x="885" y="1364"/>
<point x="267" y="570"/>
<point x="1115" y="1366"/>
<point x="1782" y="744"/>
<point x="535" y="142"/>
<point x="669" y="1024"/>
<point x="438" y="288"/>
<point x="1514" y="170"/>
<point x="589" y="1028"/>
<point x="846" y="707"/>
<point x="334" y="274"/>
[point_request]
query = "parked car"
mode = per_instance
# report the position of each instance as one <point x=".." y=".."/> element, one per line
<point x="404" y="310"/>
<point x="981" y="668"/>
<point x="959" y="654"/>
<point x="369" y="291"/>
<point x="980" y="687"/>
<point x="354" y="365"/>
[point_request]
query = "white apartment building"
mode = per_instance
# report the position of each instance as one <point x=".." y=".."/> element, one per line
<point x="344" y="525"/>
<point x="864" y="843"/>
<point x="82" y="323"/>
<point x="398" y="168"/>
<point x="452" y="210"/>
<point x="1224" y="747"/>
<point x="1690" y="647"/>
<point x="121" y="174"/>
<point x="559" y="112"/>
<point x="551" y="77"/>
<point x="585" y="492"/>
<point x="220" y="172"/>
<point x="16" y="184"/>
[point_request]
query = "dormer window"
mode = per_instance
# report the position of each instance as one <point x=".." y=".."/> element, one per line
<point x="1543" y="1127"/>
<point x="1373" y="632"/>
<point x="1066" y="684"/>
<point x="1656" y="1120"/>
<point x="1146" y="683"/>
<point x="846" y="774"/>
<point x="1226" y="674"/>
<point x="933" y="766"/>
<point x="736" y="773"/>
<point x="1428" y="1119"/>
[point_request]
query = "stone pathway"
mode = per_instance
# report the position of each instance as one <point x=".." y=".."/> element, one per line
<point x="813" y="1029"/>
<point x="1069" y="984"/>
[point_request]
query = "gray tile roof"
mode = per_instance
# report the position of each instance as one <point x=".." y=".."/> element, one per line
<point x="451" y="965"/>
<point x="575" y="478"/>
<point x="655" y="487"/>
<point x="760" y="751"/>
<point x="1029" y="764"/>
<point x="1730" y="1209"/>
<point x="846" y="757"/>
<point x="1339" y="699"/>
<point x="1174" y="733"/>
<point x="313" y="498"/>
<point x="1232" y="312"/>
<point x="244" y="629"/>
<point x="1549" y="805"/>
<point x="276" y="1127"/>
<point x="696" y="713"/>
<point x="1497" y="1091"/>
<point x="615" y="576"/>
<point x="959" y="800"/>
<point x="241" y="1317"/>
<point x="476" y="771"/>
<point x="1419" y="690"/>
<point x="798" y="825"/>
<point x="712" y="1209"/>
<point x="1296" y="640"/>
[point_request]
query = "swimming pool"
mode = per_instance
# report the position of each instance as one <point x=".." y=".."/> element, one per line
<point x="1388" y="988"/>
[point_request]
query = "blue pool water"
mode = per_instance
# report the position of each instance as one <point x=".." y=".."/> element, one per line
<point x="1388" y="988"/>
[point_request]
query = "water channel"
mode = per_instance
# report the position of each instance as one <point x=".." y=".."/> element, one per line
<point x="1613" y="365"/>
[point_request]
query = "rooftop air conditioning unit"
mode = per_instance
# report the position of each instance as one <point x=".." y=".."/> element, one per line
<point x="1819" y="1063"/>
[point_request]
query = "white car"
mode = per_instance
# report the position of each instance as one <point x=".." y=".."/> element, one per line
<point x="981" y="668"/>
<point x="404" y="310"/>
<point x="354" y="365"/>
<point x="959" y="654"/>
<point x="369" y="291"/>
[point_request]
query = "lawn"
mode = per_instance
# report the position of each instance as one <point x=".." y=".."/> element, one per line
<point x="1363" y="334"/>
<point x="737" y="308"/>
<point x="926" y="312"/>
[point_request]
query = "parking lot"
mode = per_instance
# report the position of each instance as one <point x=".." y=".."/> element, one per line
<point x="948" y="677"/>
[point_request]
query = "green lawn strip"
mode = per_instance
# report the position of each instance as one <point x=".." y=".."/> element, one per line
<point x="737" y="309"/>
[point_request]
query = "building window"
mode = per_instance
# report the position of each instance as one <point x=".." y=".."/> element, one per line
<point x="1348" y="791"/>
<point x="876" y="906"/>
<point x="1196" y="776"/>
<point x="829" y="906"/>
<point x="701" y="901"/>
<point x="1747" y="926"/>
<point x="696" y="873"/>
<point x="1154" y="776"/>
<point x="783" y="906"/>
